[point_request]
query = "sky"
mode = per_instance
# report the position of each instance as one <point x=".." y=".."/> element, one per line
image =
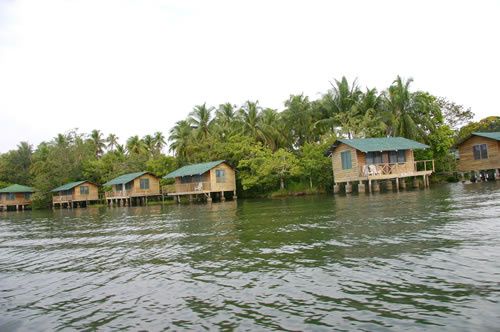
<point x="134" y="67"/>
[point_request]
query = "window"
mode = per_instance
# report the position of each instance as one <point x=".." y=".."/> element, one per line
<point x="84" y="190"/>
<point x="374" y="158"/>
<point x="397" y="156"/>
<point x="144" y="183"/>
<point x="129" y="185"/>
<point x="220" y="175"/>
<point x="11" y="196"/>
<point x="27" y="196"/>
<point x="480" y="151"/>
<point x="345" y="157"/>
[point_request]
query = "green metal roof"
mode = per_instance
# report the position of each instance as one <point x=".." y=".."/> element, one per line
<point x="125" y="178"/>
<point x="68" y="186"/>
<point x="493" y="135"/>
<point x="195" y="169"/>
<point x="17" y="188"/>
<point x="382" y="144"/>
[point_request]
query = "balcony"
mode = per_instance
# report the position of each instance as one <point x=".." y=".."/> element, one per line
<point x="187" y="188"/>
<point x="62" y="198"/>
<point x="392" y="170"/>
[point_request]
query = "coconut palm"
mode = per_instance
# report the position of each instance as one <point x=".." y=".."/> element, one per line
<point x="250" y="118"/>
<point x="112" y="141"/>
<point x="135" y="145"/>
<point x="201" y="119"/>
<point x="181" y="136"/>
<point x="159" y="141"/>
<point x="98" y="141"/>
<point x="148" y="144"/>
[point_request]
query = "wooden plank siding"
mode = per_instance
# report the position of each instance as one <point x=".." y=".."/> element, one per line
<point x="154" y="186"/>
<point x="344" y="175"/>
<point x="230" y="178"/>
<point x="467" y="163"/>
<point x="92" y="196"/>
<point x="19" y="199"/>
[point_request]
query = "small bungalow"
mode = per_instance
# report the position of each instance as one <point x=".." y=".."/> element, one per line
<point x="479" y="154"/>
<point x="369" y="161"/>
<point x="75" y="194"/>
<point x="133" y="188"/>
<point x="215" y="177"/>
<point x="15" y="196"/>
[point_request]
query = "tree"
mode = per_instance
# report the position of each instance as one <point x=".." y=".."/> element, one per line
<point x="135" y="145"/>
<point x="112" y="141"/>
<point x="98" y="141"/>
<point x="159" y="142"/>
<point x="180" y="137"/>
<point x="201" y="119"/>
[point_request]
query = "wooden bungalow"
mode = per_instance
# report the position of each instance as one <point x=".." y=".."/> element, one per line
<point x="215" y="177"/>
<point x="370" y="161"/>
<point x="133" y="189"/>
<point x="479" y="154"/>
<point x="75" y="194"/>
<point x="16" y="197"/>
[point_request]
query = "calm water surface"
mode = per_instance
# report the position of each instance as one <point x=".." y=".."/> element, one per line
<point x="418" y="260"/>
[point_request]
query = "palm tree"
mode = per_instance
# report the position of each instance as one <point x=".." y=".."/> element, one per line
<point x="342" y="107"/>
<point x="61" y="140"/>
<point x="149" y="144"/>
<point x="226" y="122"/>
<point x="402" y="117"/>
<point x="98" y="142"/>
<point x="112" y="141"/>
<point x="200" y="118"/>
<point x="135" y="145"/>
<point x="180" y="137"/>
<point x="250" y="118"/>
<point x="159" y="141"/>
<point x="273" y="129"/>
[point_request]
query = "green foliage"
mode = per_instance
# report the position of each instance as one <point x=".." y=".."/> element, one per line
<point x="270" y="150"/>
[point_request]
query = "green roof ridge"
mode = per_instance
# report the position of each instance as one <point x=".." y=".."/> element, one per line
<point x="194" y="169"/>
<point x="493" y="135"/>
<point x="17" y="188"/>
<point x="125" y="178"/>
<point x="383" y="144"/>
<point x="68" y="186"/>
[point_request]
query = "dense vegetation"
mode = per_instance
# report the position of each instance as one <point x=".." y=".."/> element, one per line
<point x="271" y="150"/>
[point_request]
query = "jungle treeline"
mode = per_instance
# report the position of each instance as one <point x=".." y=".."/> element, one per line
<point x="271" y="150"/>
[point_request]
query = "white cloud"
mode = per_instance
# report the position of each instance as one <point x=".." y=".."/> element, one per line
<point x="135" y="67"/>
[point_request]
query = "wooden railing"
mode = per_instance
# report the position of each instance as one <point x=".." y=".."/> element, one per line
<point x="62" y="198"/>
<point x="186" y="187"/>
<point x="118" y="193"/>
<point x="396" y="168"/>
<point x="21" y="201"/>
<point x="130" y="193"/>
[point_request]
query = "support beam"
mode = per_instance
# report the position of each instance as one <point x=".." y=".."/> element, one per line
<point x="402" y="183"/>
<point x="388" y="185"/>
<point x="415" y="182"/>
<point x="348" y="188"/>
<point x="375" y="186"/>
<point x="397" y="184"/>
<point x="222" y="198"/>
<point x="361" y="187"/>
<point x="336" y="188"/>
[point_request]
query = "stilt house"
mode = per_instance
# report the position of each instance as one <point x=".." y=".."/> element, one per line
<point x="215" y="177"/>
<point x="480" y="154"/>
<point x="133" y="188"/>
<point x="15" y="196"/>
<point x="75" y="194"/>
<point x="369" y="161"/>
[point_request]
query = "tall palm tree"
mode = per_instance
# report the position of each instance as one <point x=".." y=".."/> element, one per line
<point x="180" y="137"/>
<point x="112" y="141"/>
<point x="250" y="118"/>
<point x="402" y="110"/>
<point x="201" y="119"/>
<point x="273" y="129"/>
<point x="159" y="141"/>
<point x="149" y="144"/>
<point x="135" y="145"/>
<point x="226" y="121"/>
<point x="98" y="141"/>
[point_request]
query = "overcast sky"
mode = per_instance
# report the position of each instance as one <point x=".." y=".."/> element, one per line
<point x="137" y="66"/>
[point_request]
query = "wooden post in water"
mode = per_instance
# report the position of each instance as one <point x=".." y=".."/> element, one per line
<point x="361" y="187"/>
<point x="376" y="186"/>
<point x="388" y="185"/>
<point x="348" y="188"/>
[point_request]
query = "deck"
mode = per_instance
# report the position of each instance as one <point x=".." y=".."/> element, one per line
<point x="386" y="171"/>
<point x="194" y="188"/>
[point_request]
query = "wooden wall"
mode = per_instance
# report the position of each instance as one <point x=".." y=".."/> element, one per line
<point x="230" y="183"/>
<point x="466" y="163"/>
<point x="154" y="185"/>
<point x="92" y="196"/>
<point x="344" y="175"/>
<point x="19" y="200"/>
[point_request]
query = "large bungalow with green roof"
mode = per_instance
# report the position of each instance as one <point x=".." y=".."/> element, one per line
<point x="132" y="188"/>
<point x="215" y="178"/>
<point x="75" y="194"/>
<point x="370" y="161"/>
<point x="16" y="196"/>
<point x="479" y="154"/>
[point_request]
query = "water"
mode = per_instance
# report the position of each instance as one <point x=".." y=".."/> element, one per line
<point x="418" y="260"/>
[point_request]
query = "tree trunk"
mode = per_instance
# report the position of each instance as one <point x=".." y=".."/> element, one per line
<point x="310" y="182"/>
<point x="282" y="183"/>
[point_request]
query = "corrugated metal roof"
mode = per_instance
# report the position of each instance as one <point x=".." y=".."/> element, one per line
<point x="383" y="144"/>
<point x="68" y="186"/>
<point x="17" y="188"/>
<point x="125" y="178"/>
<point x="492" y="135"/>
<point x="195" y="169"/>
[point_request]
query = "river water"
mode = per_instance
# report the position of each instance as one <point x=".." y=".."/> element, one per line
<point x="415" y="260"/>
